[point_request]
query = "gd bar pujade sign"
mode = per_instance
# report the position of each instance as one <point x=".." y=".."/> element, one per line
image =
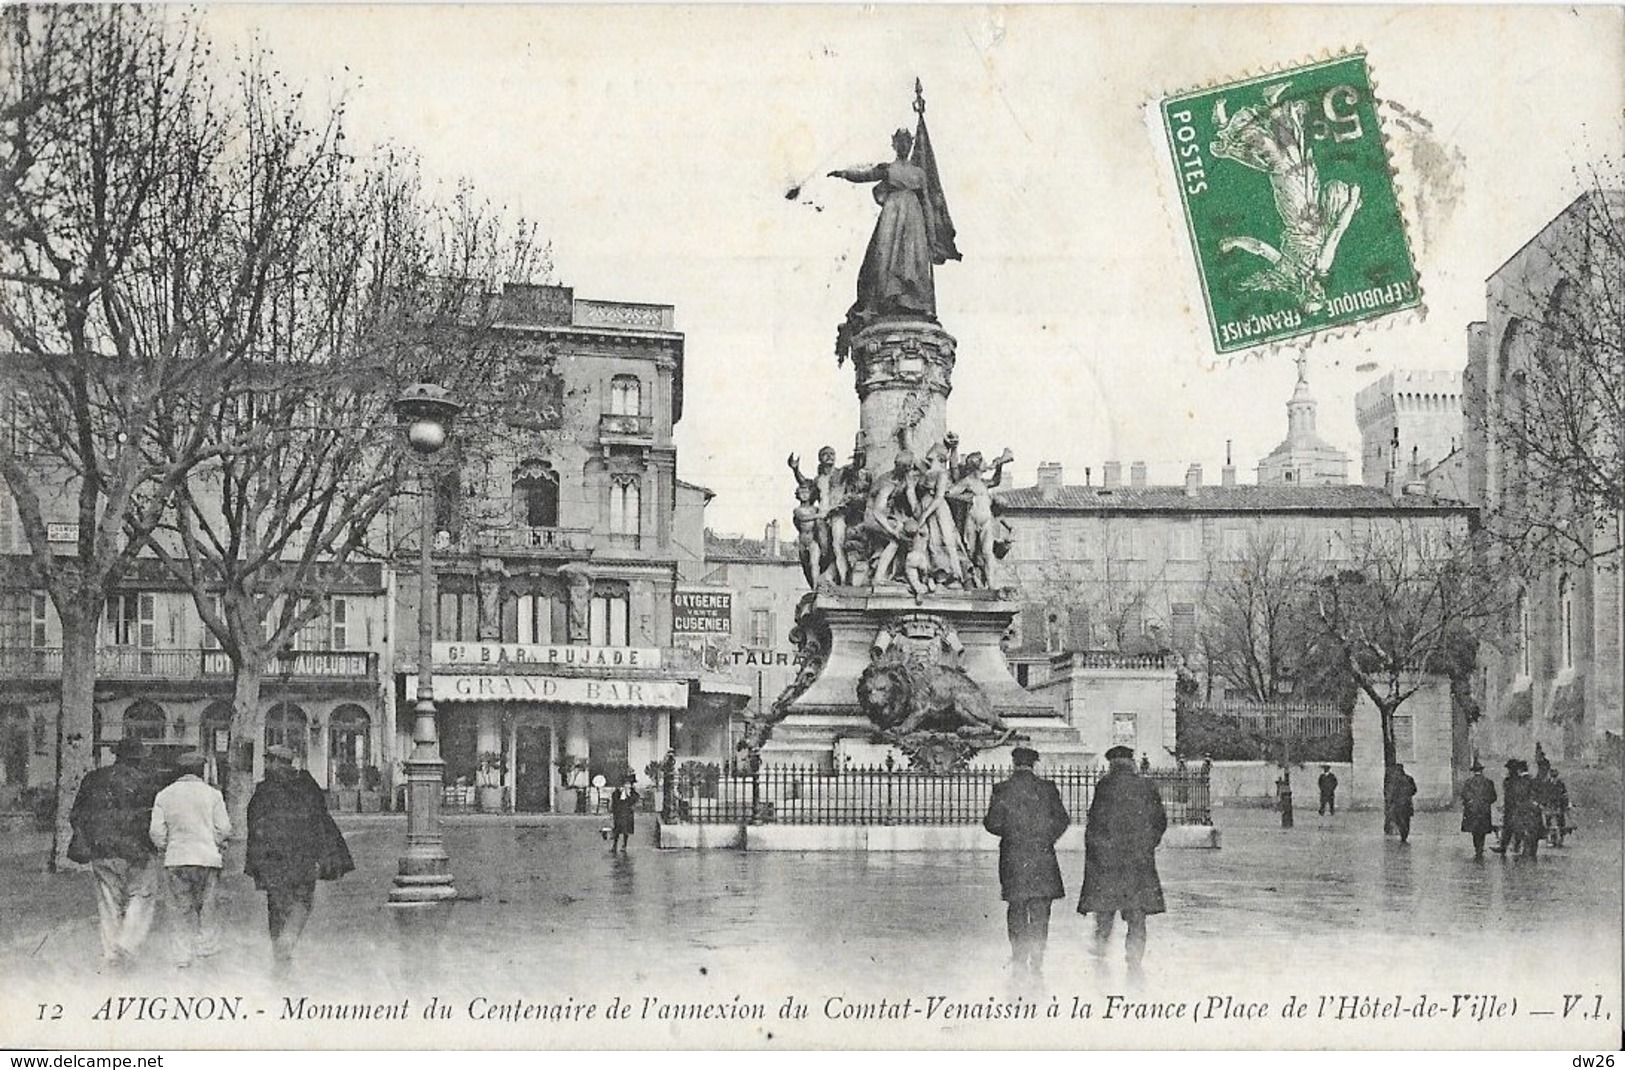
<point x="495" y="654"/>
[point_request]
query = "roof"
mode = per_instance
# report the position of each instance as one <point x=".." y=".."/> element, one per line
<point x="707" y="491"/>
<point x="1306" y="442"/>
<point x="739" y="548"/>
<point x="1243" y="498"/>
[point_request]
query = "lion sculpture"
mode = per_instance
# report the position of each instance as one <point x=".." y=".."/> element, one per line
<point x="902" y="697"/>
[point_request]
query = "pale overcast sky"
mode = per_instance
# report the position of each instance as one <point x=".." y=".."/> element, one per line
<point x="655" y="145"/>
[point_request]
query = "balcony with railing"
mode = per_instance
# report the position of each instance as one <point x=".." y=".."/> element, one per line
<point x="172" y="663"/>
<point x="543" y="542"/>
<point x="30" y="663"/>
<point x="616" y="428"/>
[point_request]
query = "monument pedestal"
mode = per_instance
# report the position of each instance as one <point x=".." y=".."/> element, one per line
<point x="959" y="629"/>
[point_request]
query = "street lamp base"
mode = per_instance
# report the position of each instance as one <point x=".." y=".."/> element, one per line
<point x="415" y="890"/>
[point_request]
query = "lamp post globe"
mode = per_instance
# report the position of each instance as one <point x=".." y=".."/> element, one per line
<point x="426" y="436"/>
<point x="427" y="411"/>
<point x="423" y="888"/>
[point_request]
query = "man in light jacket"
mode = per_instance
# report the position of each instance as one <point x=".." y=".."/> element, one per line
<point x="189" y="827"/>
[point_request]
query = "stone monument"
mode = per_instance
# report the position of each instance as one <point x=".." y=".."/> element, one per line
<point x="898" y="642"/>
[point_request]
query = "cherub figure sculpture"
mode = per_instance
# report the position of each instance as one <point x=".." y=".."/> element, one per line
<point x="980" y="525"/>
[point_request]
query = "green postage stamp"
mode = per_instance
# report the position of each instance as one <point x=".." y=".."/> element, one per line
<point x="1290" y="204"/>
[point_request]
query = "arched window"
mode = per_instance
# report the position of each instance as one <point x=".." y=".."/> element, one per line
<point x="144" y="720"/>
<point x="626" y="396"/>
<point x="349" y="737"/>
<point x="536" y="490"/>
<point x="609" y="620"/>
<point x="625" y="505"/>
<point x="285" y="726"/>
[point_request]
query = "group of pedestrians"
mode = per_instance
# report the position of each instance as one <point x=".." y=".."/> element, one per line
<point x="138" y="832"/>
<point x="1532" y="808"/>
<point x="1126" y="822"/>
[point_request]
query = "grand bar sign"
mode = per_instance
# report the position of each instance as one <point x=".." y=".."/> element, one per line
<point x="572" y="690"/>
<point x="591" y="657"/>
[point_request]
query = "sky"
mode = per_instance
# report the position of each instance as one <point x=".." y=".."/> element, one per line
<point x="654" y="147"/>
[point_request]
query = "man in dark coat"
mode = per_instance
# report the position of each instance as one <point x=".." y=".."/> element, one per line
<point x="1477" y="796"/>
<point x="1125" y="825"/>
<point x="110" y="817"/>
<point x="292" y="843"/>
<point x="1328" y="790"/>
<point x="1520" y="817"/>
<point x="1401" y="789"/>
<point x="1560" y="804"/>
<point x="1027" y="816"/>
<point x="623" y="806"/>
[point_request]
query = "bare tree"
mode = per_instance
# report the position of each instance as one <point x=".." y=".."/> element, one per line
<point x="1557" y="414"/>
<point x="1257" y="624"/>
<point x="1410" y="602"/>
<point x="382" y="287"/>
<point x="137" y="237"/>
<point x="1110" y="597"/>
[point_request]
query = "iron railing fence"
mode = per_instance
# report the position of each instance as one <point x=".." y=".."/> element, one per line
<point x="796" y="795"/>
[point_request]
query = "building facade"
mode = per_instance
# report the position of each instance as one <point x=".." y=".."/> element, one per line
<point x="1127" y="568"/>
<point x="765" y="585"/>
<point x="562" y="566"/>
<point x="161" y="677"/>
<point x="1410" y="422"/>
<point x="1555" y="677"/>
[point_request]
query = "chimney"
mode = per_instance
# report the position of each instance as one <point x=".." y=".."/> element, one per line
<point x="1111" y="474"/>
<point x="1136" y="474"/>
<point x="1227" y="474"/>
<point x="1049" y="480"/>
<point x="1193" y="479"/>
<point x="1088" y="476"/>
<point x="770" y="538"/>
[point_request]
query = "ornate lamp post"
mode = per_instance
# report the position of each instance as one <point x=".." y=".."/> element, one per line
<point x="423" y="881"/>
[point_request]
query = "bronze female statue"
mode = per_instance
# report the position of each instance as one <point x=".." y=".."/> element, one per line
<point x="914" y="232"/>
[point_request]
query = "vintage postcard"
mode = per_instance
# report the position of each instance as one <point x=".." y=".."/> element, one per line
<point x="811" y="527"/>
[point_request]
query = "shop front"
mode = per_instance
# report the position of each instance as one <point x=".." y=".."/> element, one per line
<point x="536" y="741"/>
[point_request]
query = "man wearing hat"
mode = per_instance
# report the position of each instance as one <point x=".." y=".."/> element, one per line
<point x="1516" y="803"/>
<point x="1125" y="824"/>
<point x="189" y="827"/>
<point x="1328" y="791"/>
<point x="292" y="843"/>
<point x="109" y="817"/>
<point x="1027" y="816"/>
<point x="1399" y="793"/>
<point x="1477" y="796"/>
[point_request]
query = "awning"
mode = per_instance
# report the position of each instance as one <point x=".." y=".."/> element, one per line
<point x="567" y="690"/>
<point x="717" y="686"/>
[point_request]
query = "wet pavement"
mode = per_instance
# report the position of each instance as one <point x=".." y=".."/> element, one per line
<point x="547" y="913"/>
